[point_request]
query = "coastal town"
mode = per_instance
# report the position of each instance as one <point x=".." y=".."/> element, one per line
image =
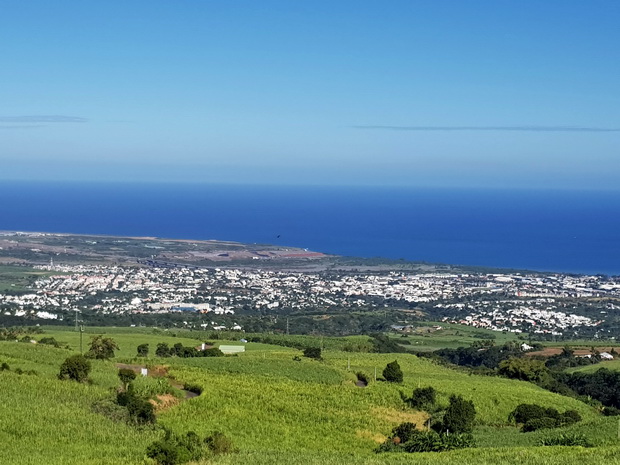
<point x="536" y="303"/>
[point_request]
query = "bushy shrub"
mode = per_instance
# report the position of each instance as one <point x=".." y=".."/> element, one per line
<point x="111" y="410"/>
<point x="430" y="441"/>
<point x="424" y="441"/>
<point x="162" y="350"/>
<point x="540" y="423"/>
<point x="49" y="341"/>
<point x="403" y="432"/>
<point x="566" y="440"/>
<point x="174" y="449"/>
<point x="458" y="441"/>
<point x="4" y="367"/>
<point x="212" y="352"/>
<point x="570" y="417"/>
<point x="406" y="438"/>
<point x="524" y="412"/>
<point x="393" y="373"/>
<point x="219" y="443"/>
<point x="312" y="352"/>
<point x="142" y="350"/>
<point x="607" y="411"/>
<point x="75" y="368"/>
<point x="140" y="410"/>
<point x="423" y="398"/>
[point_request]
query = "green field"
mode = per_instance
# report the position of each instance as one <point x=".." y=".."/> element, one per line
<point x="610" y="365"/>
<point x="19" y="278"/>
<point x="275" y="409"/>
<point x="451" y="336"/>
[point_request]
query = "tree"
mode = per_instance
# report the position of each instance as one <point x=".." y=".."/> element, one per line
<point x="162" y="350"/>
<point x="126" y="376"/>
<point x="459" y="416"/>
<point x="143" y="350"/>
<point x="75" y="368"/>
<point x="177" y="349"/>
<point x="393" y="373"/>
<point x="102" y="348"/>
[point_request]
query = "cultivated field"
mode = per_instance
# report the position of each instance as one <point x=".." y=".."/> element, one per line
<point x="275" y="409"/>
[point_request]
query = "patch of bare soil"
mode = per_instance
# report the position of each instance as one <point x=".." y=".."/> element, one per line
<point x="163" y="402"/>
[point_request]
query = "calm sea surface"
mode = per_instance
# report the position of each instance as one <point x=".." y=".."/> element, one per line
<point x="566" y="231"/>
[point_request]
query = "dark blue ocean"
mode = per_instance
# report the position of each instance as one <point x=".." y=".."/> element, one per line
<point x="568" y="231"/>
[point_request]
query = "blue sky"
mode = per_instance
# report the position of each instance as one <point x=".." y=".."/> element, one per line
<point x="419" y="93"/>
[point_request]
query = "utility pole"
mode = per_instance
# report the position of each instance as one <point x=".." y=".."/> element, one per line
<point x="287" y="333"/>
<point x="76" y="319"/>
<point x="375" y="374"/>
<point x="81" y="334"/>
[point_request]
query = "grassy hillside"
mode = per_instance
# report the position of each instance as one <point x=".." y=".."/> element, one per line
<point x="610" y="365"/>
<point x="276" y="409"/>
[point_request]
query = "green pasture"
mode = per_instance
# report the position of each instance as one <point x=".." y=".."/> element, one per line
<point x="19" y="278"/>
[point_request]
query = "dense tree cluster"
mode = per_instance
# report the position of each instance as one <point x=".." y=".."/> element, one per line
<point x="525" y="369"/>
<point x="480" y="354"/>
<point x="179" y="350"/>
<point x="602" y="385"/>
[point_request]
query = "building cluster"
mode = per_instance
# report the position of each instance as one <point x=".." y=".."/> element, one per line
<point x="502" y="302"/>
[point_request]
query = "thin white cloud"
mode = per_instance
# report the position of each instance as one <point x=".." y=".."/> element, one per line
<point x="42" y="119"/>
<point x="32" y="126"/>
<point x="492" y="128"/>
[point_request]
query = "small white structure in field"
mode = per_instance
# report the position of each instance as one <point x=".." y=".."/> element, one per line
<point x="232" y="349"/>
<point x="606" y="356"/>
<point x="144" y="371"/>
